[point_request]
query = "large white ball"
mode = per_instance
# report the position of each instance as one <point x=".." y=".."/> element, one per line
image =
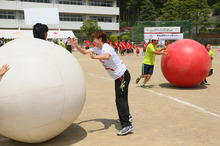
<point x="42" y="93"/>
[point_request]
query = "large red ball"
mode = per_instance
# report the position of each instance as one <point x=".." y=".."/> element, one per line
<point x="188" y="63"/>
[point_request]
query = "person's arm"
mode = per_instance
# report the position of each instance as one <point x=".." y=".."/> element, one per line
<point x="106" y="56"/>
<point x="160" y="53"/>
<point x="81" y="50"/>
<point x="162" y="49"/>
<point x="4" y="69"/>
<point x="211" y="56"/>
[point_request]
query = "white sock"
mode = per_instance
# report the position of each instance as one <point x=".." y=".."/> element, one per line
<point x="142" y="84"/>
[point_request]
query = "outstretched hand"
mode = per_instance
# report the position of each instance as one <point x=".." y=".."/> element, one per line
<point x="91" y="55"/>
<point x="165" y="53"/>
<point x="73" y="43"/>
<point x="4" y="69"/>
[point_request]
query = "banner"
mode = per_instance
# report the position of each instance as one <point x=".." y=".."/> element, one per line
<point x="164" y="36"/>
<point x="41" y="15"/>
<point x="159" y="30"/>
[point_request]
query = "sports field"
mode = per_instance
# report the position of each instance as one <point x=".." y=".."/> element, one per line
<point x="163" y="115"/>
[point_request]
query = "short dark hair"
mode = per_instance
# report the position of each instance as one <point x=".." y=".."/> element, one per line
<point x="100" y="34"/>
<point x="39" y="30"/>
<point x="206" y="44"/>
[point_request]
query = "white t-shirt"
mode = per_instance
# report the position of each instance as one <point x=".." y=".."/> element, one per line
<point x="114" y="66"/>
<point x="68" y="43"/>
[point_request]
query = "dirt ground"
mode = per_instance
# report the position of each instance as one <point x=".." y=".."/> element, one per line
<point x="163" y="115"/>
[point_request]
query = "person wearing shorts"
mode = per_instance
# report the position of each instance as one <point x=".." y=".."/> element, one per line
<point x="68" y="45"/>
<point x="123" y="48"/>
<point x="144" y="48"/>
<point x="137" y="49"/>
<point x="208" y="48"/>
<point x="148" y="62"/>
<point x="87" y="43"/>
<point x="147" y="69"/>
<point x="116" y="46"/>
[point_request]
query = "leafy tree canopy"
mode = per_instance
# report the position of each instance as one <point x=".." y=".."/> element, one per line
<point x="89" y="26"/>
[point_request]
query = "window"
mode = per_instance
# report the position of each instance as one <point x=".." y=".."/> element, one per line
<point x="103" y="3"/>
<point x="7" y="15"/>
<point x="101" y="18"/>
<point x="71" y="17"/>
<point x="76" y="32"/>
<point x="21" y="15"/>
<point x="108" y="33"/>
<point x="70" y="2"/>
<point x="37" y="1"/>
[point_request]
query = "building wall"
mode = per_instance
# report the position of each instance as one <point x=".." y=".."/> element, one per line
<point x="84" y="10"/>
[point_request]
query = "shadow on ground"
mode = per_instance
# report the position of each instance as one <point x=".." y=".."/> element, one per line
<point x="73" y="134"/>
<point x="147" y="86"/>
<point x="106" y="122"/>
<point x="171" y="86"/>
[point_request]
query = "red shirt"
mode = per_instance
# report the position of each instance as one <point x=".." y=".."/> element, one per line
<point x="166" y="44"/>
<point x="144" y="46"/>
<point x="123" y="45"/>
<point x="128" y="45"/>
<point x="137" y="48"/>
<point x="87" y="43"/>
<point x="120" y="46"/>
<point x="93" y="44"/>
<point x="116" y="44"/>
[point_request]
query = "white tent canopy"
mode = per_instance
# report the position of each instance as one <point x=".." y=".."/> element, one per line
<point x="60" y="34"/>
<point x="13" y="34"/>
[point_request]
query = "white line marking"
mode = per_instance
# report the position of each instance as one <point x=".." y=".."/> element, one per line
<point x="169" y="97"/>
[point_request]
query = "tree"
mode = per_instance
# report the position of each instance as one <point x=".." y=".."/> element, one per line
<point x="159" y="4"/>
<point x="129" y="11"/>
<point x="212" y="2"/>
<point x="113" y="38"/>
<point x="123" y="24"/>
<point x="196" y="11"/>
<point x="147" y="11"/>
<point x="170" y="11"/>
<point x="89" y="26"/>
<point x="216" y="8"/>
<point x="125" y="37"/>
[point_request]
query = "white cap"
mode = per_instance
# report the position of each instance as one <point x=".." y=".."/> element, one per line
<point x="155" y="38"/>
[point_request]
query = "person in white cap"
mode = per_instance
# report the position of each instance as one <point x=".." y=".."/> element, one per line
<point x="149" y="59"/>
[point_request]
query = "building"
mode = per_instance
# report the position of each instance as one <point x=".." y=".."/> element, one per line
<point x="125" y="30"/>
<point x="72" y="13"/>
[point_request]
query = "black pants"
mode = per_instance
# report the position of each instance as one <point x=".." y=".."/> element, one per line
<point x="69" y="48"/>
<point x="121" y="93"/>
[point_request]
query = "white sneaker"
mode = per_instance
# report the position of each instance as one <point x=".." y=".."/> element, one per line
<point x="125" y="130"/>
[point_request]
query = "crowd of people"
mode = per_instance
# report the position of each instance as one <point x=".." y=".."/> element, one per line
<point x="124" y="48"/>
